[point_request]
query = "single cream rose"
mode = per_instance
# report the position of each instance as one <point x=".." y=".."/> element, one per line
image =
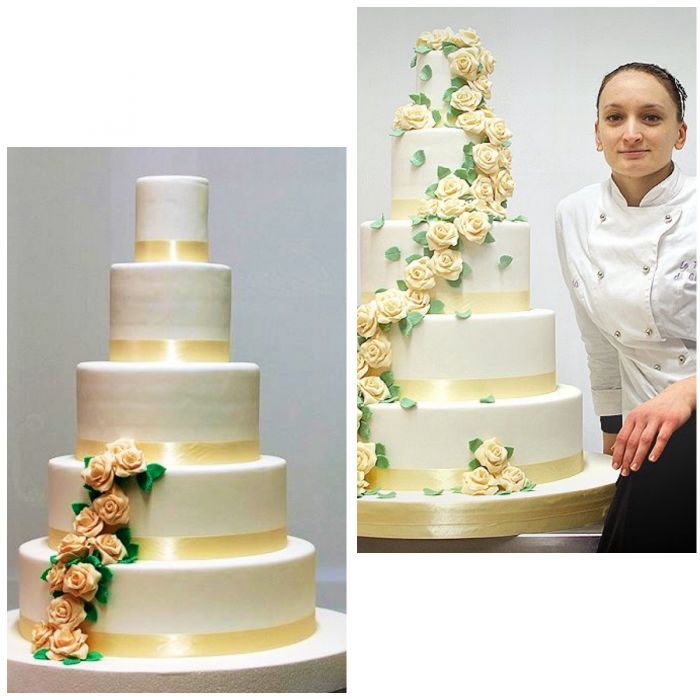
<point x="81" y="580"/>
<point x="465" y="99"/>
<point x="111" y="549"/>
<point x="505" y="158"/>
<point x="412" y="116"/>
<point x="55" y="577"/>
<point x="479" y="482"/>
<point x="72" y="546"/>
<point x="497" y="131"/>
<point x="99" y="473"/>
<point x="120" y="445"/>
<point x="472" y="122"/>
<point x="464" y="62"/>
<point x="492" y="455"/>
<point x="87" y="523"/>
<point x="442" y="234"/>
<point x="482" y="85"/>
<point x="473" y="225"/>
<point x="512" y="479"/>
<point x="434" y="39"/>
<point x="66" y="610"/>
<point x="41" y="633"/>
<point x="465" y="37"/>
<point x="418" y="301"/>
<point x="130" y="461"/>
<point x="377" y="352"/>
<point x="486" y="158"/>
<point x="65" y="642"/>
<point x="366" y="456"/>
<point x="373" y="389"/>
<point x="113" y="507"/>
<point x="482" y="188"/>
<point x="447" y="263"/>
<point x="450" y="208"/>
<point x="362" y="366"/>
<point x="487" y="61"/>
<point x="494" y="208"/>
<point x="451" y="187"/>
<point x="503" y="186"/>
<point x="391" y="306"/>
<point x="367" y="319"/>
<point x="419" y="275"/>
<point x="427" y="207"/>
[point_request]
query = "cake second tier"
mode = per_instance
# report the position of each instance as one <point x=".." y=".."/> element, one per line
<point x="178" y="413"/>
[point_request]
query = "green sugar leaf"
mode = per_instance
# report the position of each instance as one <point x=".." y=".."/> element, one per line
<point x="471" y="175"/>
<point x="394" y="390"/>
<point x="396" y="132"/>
<point x="420" y="99"/>
<point x="504" y="261"/>
<point x="466" y="268"/>
<point x="422" y="49"/>
<point x="425" y="73"/>
<point x="379" y="449"/>
<point x="448" y="47"/>
<point x="121" y="480"/>
<point x="41" y="654"/>
<point x="415" y="220"/>
<point x="366" y="413"/>
<point x="392" y="253"/>
<point x="380" y="290"/>
<point x="503" y="493"/>
<point x="475" y="444"/>
<point x="92" y="559"/>
<point x="401" y="285"/>
<point x="102" y="595"/>
<point x="145" y="481"/>
<point x="382" y="462"/>
<point x="413" y="257"/>
<point x="372" y="492"/>
<point x="387" y="377"/>
<point x="456" y="489"/>
<point x="45" y="574"/>
<point x="418" y="158"/>
<point x="427" y="252"/>
<point x="421" y="238"/>
<point x="489" y="238"/>
<point x="407" y="403"/>
<point x="463" y="314"/>
<point x="432" y="492"/>
<point x="458" y="82"/>
<point x="156" y="471"/>
<point x="474" y="464"/>
<point x="510" y="451"/>
<point x="430" y="189"/>
<point x="415" y="317"/>
<point x="91" y="612"/>
<point x="455" y="283"/>
<point x="389" y="494"/>
<point x="436" y="116"/>
<point x="488" y="399"/>
<point x="53" y="558"/>
<point x="91" y="492"/>
<point x="56" y="594"/>
<point x="453" y="112"/>
<point x="506" y="143"/>
<point x="442" y="172"/>
<point x="73" y="561"/>
<point x="462" y="173"/>
<point x="86" y="461"/>
<point x="377" y="223"/>
<point x="77" y="507"/>
<point x="436" y="306"/>
<point x="364" y="430"/>
<point x="107" y="574"/>
<point x="413" y="61"/>
<point x="385" y="327"/>
<point x="70" y="661"/>
<point x="93" y="656"/>
<point x="520" y="217"/>
<point x="124" y="535"/>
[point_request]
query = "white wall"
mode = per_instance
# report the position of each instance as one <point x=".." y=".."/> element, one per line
<point x="549" y="66"/>
<point x="277" y="218"/>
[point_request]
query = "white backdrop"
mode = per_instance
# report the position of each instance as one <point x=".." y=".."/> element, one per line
<point x="549" y="64"/>
<point x="277" y="218"/>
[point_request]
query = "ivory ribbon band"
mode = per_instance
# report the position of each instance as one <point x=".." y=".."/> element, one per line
<point x="477" y="302"/>
<point x="466" y="389"/>
<point x="418" y="479"/>
<point x="168" y="351"/>
<point x="171" y="251"/>
<point x="174" y="453"/>
<point x="181" y="645"/>
<point x="217" y="547"/>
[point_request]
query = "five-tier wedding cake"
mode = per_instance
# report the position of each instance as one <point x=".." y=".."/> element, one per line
<point x="167" y="532"/>
<point x="463" y="430"/>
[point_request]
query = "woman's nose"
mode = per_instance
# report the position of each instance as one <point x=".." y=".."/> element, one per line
<point x="632" y="131"/>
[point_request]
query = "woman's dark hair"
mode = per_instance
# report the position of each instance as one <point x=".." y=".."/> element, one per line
<point x="674" y="88"/>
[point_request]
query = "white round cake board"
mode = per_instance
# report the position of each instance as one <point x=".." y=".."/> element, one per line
<point x="316" y="664"/>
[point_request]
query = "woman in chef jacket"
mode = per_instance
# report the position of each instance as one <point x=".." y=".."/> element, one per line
<point x="627" y="248"/>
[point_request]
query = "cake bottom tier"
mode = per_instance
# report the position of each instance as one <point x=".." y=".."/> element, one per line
<point x="190" y="607"/>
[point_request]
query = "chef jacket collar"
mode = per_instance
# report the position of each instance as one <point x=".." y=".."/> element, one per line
<point x="658" y="195"/>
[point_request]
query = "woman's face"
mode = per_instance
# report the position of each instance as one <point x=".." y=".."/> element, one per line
<point x="637" y="126"/>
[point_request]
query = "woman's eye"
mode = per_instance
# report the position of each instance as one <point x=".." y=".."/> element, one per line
<point x="613" y="117"/>
<point x="652" y="118"/>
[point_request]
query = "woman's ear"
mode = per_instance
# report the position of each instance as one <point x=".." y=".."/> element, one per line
<point x="598" y="142"/>
<point x="682" y="134"/>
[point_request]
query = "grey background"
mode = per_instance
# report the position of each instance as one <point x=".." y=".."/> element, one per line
<point x="549" y="64"/>
<point x="277" y="218"/>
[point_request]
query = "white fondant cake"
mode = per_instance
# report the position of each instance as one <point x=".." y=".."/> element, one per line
<point x="456" y="375"/>
<point x="167" y="529"/>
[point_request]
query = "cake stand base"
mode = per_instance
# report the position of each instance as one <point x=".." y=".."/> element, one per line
<point x="316" y="664"/>
<point x="558" y="505"/>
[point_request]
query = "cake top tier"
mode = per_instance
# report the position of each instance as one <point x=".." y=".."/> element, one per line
<point x="171" y="218"/>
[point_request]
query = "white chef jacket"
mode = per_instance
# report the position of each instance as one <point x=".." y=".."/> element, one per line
<point x="631" y="275"/>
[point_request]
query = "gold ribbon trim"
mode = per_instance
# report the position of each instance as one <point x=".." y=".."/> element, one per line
<point x="181" y="645"/>
<point x="466" y="389"/>
<point x="477" y="302"/>
<point x="174" y="453"/>
<point x="218" y="547"/>
<point x="171" y="251"/>
<point x="169" y="351"/>
<point x="418" y="479"/>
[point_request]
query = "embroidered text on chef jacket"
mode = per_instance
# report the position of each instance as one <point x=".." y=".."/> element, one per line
<point x="631" y="276"/>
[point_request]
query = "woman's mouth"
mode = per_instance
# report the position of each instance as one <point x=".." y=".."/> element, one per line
<point x="634" y="154"/>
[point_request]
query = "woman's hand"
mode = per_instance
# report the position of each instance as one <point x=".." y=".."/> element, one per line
<point x="653" y="423"/>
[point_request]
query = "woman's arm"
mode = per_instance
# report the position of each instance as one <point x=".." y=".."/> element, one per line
<point x="653" y="423"/>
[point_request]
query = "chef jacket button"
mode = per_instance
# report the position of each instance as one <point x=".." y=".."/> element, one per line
<point x="657" y="367"/>
<point x="681" y="359"/>
<point x="648" y="331"/>
<point x="602" y="216"/>
<point x="646" y="269"/>
<point x="617" y="334"/>
<point x="668" y="218"/>
<point x="600" y="274"/>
